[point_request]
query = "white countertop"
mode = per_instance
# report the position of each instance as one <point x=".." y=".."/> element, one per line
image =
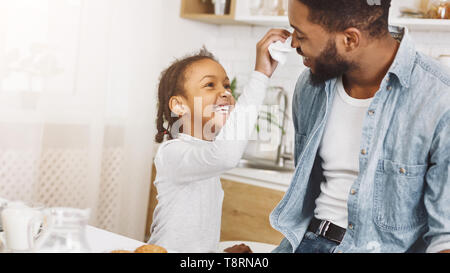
<point x="102" y="241"/>
<point x="276" y="180"/>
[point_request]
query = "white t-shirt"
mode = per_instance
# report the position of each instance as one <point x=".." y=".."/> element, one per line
<point x="339" y="150"/>
<point x="188" y="215"/>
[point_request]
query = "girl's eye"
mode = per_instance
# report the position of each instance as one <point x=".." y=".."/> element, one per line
<point x="300" y="38"/>
<point x="227" y="86"/>
<point x="210" y="85"/>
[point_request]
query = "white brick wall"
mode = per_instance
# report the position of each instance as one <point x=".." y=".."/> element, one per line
<point x="432" y="43"/>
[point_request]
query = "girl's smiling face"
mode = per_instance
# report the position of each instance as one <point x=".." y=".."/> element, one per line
<point x="207" y="97"/>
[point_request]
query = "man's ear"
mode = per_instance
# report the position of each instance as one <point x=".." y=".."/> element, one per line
<point x="177" y="105"/>
<point x="352" y="38"/>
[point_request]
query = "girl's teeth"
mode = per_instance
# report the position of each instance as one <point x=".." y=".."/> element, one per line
<point x="224" y="108"/>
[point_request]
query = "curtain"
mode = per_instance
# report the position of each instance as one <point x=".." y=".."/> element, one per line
<point x="77" y="106"/>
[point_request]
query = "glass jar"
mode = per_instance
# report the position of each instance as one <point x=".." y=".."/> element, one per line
<point x="256" y="7"/>
<point x="220" y="7"/>
<point x="283" y="7"/>
<point x="439" y="9"/>
<point x="64" y="232"/>
<point x="270" y="7"/>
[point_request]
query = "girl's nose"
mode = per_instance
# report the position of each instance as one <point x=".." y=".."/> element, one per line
<point x="225" y="94"/>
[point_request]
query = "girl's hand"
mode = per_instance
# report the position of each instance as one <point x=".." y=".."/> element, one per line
<point x="264" y="63"/>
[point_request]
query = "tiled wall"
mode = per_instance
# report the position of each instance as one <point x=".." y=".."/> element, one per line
<point x="235" y="47"/>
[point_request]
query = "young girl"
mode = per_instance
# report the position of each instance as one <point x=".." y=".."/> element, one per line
<point x="202" y="118"/>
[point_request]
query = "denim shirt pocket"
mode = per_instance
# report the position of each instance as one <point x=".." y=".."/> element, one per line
<point x="300" y="141"/>
<point x="398" y="196"/>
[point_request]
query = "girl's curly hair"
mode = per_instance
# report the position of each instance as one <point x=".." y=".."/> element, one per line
<point x="172" y="84"/>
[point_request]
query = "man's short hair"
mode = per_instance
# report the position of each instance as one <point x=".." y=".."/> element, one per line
<point x="370" y="16"/>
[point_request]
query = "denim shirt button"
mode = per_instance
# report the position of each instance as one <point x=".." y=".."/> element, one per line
<point x="363" y="152"/>
<point x="402" y="171"/>
<point x="353" y="192"/>
<point x="350" y="226"/>
<point x="389" y="88"/>
<point x="371" y="113"/>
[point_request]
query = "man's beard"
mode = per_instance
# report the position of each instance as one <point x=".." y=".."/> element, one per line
<point x="330" y="65"/>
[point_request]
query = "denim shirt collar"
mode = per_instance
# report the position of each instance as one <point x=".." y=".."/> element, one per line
<point x="404" y="61"/>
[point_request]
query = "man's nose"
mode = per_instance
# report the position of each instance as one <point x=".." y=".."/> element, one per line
<point x="294" y="43"/>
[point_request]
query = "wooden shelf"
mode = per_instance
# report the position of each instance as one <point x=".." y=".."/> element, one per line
<point x="422" y="24"/>
<point x="212" y="19"/>
<point x="203" y="11"/>
<point x="275" y="21"/>
<point x="236" y="14"/>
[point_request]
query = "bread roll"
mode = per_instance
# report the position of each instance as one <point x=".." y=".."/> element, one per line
<point x="121" y="251"/>
<point x="150" y="249"/>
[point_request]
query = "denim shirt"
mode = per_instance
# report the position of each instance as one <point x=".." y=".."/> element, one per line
<point x="401" y="199"/>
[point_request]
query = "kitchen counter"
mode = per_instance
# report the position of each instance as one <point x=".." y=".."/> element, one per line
<point x="277" y="180"/>
<point x="102" y="241"/>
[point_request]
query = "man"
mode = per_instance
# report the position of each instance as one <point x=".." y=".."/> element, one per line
<point x="372" y="149"/>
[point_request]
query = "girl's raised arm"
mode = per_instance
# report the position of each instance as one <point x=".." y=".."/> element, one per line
<point x="193" y="161"/>
<point x="197" y="161"/>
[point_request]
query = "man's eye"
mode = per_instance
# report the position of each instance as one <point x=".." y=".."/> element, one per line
<point x="300" y="38"/>
<point x="227" y="86"/>
<point x="209" y="84"/>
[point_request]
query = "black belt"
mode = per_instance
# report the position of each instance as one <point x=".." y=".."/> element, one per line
<point x="327" y="230"/>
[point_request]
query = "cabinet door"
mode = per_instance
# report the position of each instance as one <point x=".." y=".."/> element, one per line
<point x="245" y="213"/>
<point x="152" y="202"/>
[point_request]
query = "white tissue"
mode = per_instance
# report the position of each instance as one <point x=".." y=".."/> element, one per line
<point x="279" y="51"/>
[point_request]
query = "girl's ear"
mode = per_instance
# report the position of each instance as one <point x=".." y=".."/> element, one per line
<point x="177" y="105"/>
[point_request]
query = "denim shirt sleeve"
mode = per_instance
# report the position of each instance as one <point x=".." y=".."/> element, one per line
<point x="437" y="193"/>
<point x="301" y="83"/>
<point x="296" y="101"/>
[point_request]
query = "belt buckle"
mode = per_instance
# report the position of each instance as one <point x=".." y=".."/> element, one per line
<point x="323" y="227"/>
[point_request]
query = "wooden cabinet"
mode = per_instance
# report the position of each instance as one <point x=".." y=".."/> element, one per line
<point x="152" y="202"/>
<point x="245" y="212"/>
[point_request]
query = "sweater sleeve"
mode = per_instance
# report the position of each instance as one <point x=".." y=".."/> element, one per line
<point x="181" y="161"/>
